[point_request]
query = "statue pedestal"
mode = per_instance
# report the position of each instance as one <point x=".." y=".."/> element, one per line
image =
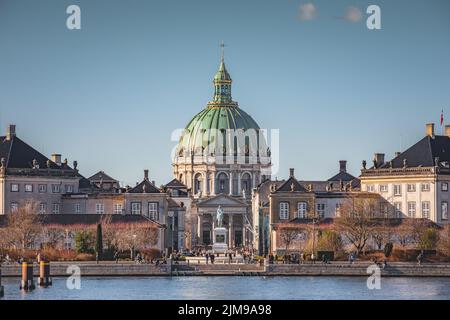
<point x="220" y="240"/>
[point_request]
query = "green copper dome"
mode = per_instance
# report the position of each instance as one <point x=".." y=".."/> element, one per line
<point x="221" y="115"/>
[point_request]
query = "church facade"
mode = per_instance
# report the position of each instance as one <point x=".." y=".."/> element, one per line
<point x="221" y="156"/>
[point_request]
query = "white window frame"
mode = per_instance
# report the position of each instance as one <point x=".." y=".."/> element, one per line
<point x="15" y="187"/>
<point x="412" y="209"/>
<point x="14" y="206"/>
<point x="383" y="188"/>
<point x="28" y="187"/>
<point x="426" y="209"/>
<point x="100" y="208"/>
<point x="444" y="210"/>
<point x="68" y="188"/>
<point x="320" y="207"/>
<point x="425" y="187"/>
<point x="398" y="209"/>
<point x="302" y="209"/>
<point x="42" y="188"/>
<point x="411" y="187"/>
<point x="397" y="190"/>
<point x="118" y="207"/>
<point x="284" y="210"/>
<point x="55" y="208"/>
<point x="444" y="189"/>
<point x="77" y="208"/>
<point x="42" y="208"/>
<point x="56" y="188"/>
<point x="370" y="188"/>
<point x="136" y="208"/>
<point x="153" y="210"/>
<point x="337" y="210"/>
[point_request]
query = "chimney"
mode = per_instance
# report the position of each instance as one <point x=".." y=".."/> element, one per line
<point x="379" y="159"/>
<point x="398" y="153"/>
<point x="343" y="166"/>
<point x="11" y="132"/>
<point x="146" y="174"/>
<point x="56" y="158"/>
<point x="430" y="129"/>
<point x="291" y="172"/>
<point x="447" y="131"/>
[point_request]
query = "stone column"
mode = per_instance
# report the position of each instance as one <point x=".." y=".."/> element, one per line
<point x="230" y="230"/>
<point x="213" y="226"/>
<point x="205" y="184"/>
<point x="231" y="183"/>
<point x="253" y="180"/>
<point x="244" y="233"/>
<point x="239" y="184"/>
<point x="200" y="229"/>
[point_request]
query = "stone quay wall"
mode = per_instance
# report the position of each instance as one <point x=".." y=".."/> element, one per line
<point x="61" y="269"/>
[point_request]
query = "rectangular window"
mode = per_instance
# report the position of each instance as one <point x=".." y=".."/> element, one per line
<point x="77" y="208"/>
<point x="14" y="206"/>
<point x="444" y="186"/>
<point x="43" y="208"/>
<point x="383" y="188"/>
<point x="444" y="210"/>
<point x="425" y="187"/>
<point x="55" y="208"/>
<point x="99" y="208"/>
<point x="411" y="187"/>
<point x="69" y="188"/>
<point x="398" y="209"/>
<point x="42" y="188"/>
<point x="321" y="210"/>
<point x="14" y="187"/>
<point x="135" y="208"/>
<point x="426" y="209"/>
<point x="56" y="188"/>
<point x="301" y="210"/>
<point x="153" y="211"/>
<point x="411" y="209"/>
<point x="384" y="210"/>
<point x="397" y="189"/>
<point x="284" y="210"/>
<point x="370" y="188"/>
<point x="28" y="188"/>
<point x="337" y="212"/>
<point x="117" y="208"/>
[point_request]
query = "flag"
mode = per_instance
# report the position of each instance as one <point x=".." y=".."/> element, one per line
<point x="442" y="117"/>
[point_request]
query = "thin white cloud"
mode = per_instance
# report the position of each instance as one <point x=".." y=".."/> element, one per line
<point x="353" y="14"/>
<point x="307" y="12"/>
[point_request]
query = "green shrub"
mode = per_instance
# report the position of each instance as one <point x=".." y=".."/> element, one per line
<point x="429" y="239"/>
<point x="84" y="242"/>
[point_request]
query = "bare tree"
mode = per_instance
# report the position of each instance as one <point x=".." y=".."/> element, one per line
<point x="356" y="221"/>
<point x="53" y="236"/>
<point x="288" y="234"/>
<point x="23" y="226"/>
<point x="134" y="236"/>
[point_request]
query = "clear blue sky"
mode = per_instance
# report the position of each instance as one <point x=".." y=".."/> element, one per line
<point x="109" y="95"/>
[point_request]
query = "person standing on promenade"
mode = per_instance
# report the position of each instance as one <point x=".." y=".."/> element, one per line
<point x="207" y="257"/>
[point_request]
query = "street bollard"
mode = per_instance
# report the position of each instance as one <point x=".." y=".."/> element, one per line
<point x="44" y="274"/>
<point x="27" y="282"/>
<point x="2" y="290"/>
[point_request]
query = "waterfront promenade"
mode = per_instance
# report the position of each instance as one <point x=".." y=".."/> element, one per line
<point x="394" y="269"/>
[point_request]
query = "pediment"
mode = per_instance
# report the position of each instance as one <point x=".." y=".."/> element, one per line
<point x="222" y="200"/>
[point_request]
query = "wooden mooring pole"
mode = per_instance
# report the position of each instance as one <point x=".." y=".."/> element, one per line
<point x="44" y="274"/>
<point x="2" y="290"/>
<point x="27" y="282"/>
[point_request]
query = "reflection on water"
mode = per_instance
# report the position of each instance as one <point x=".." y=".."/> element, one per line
<point x="223" y="288"/>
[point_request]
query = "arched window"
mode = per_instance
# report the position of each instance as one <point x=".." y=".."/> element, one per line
<point x="284" y="210"/>
<point x="197" y="183"/>
<point x="246" y="183"/>
<point x="223" y="184"/>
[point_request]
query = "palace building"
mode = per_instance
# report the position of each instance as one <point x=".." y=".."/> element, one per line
<point x="221" y="156"/>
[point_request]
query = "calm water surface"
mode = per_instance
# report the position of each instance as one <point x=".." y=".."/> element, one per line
<point x="242" y="288"/>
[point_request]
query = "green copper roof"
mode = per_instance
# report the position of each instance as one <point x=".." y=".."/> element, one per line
<point x="221" y="113"/>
